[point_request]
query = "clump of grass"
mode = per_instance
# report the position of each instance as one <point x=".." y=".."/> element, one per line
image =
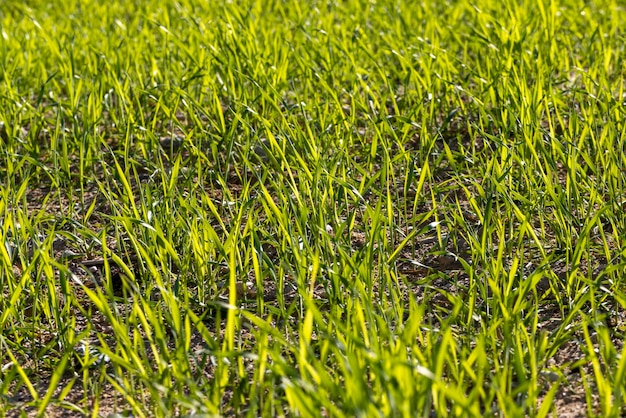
<point x="347" y="209"/>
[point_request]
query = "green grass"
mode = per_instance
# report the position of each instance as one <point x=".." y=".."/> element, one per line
<point x="281" y="172"/>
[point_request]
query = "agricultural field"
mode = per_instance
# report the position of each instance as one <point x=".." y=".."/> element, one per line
<point x="349" y="208"/>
